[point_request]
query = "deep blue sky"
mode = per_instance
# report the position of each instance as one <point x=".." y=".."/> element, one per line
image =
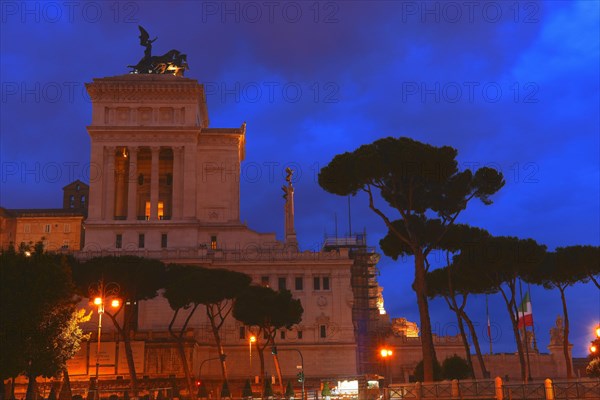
<point x="510" y="85"/>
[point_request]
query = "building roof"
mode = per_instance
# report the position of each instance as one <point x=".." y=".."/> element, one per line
<point x="82" y="184"/>
<point x="40" y="212"/>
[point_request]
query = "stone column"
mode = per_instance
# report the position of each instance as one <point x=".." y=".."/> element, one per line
<point x="154" y="184"/>
<point x="178" y="179"/>
<point x="189" y="183"/>
<point x="97" y="182"/>
<point x="132" y="185"/>
<point x="109" y="203"/>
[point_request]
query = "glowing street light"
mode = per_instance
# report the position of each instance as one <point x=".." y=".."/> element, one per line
<point x="104" y="293"/>
<point x="598" y="331"/>
<point x="386" y="354"/>
<point x="251" y="340"/>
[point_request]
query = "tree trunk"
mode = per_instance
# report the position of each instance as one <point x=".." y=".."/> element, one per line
<point x="217" y="337"/>
<point x="186" y="367"/>
<point x="458" y="310"/>
<point x="130" y="363"/>
<point x="512" y="311"/>
<point x="31" y="388"/>
<point x="454" y="307"/>
<point x="65" y="389"/>
<point x="427" y="347"/>
<point x="463" y="334"/>
<point x="12" y="388"/>
<point x="278" y="370"/>
<point x="261" y="357"/>
<point x="469" y="323"/>
<point x="124" y="332"/>
<point x="566" y="335"/>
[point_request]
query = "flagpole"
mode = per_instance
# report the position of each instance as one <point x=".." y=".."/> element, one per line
<point x="532" y="322"/>
<point x="525" y="333"/>
<point x="487" y="313"/>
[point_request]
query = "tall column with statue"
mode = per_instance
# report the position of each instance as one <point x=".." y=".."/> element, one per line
<point x="290" y="232"/>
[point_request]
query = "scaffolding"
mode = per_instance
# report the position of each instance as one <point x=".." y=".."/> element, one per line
<point x="369" y="326"/>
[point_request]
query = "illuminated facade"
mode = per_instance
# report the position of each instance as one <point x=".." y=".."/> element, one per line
<point x="167" y="187"/>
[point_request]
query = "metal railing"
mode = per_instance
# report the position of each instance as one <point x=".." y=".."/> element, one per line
<point x="582" y="389"/>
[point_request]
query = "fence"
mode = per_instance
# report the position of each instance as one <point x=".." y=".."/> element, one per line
<point x="584" y="389"/>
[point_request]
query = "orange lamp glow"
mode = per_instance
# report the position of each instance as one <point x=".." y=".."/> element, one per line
<point x="593" y="349"/>
<point x="252" y="339"/>
<point x="385" y="353"/>
<point x="115" y="303"/>
<point x="598" y="332"/>
<point x="98" y="301"/>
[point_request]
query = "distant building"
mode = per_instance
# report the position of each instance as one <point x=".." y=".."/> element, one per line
<point x="59" y="229"/>
<point x="75" y="196"/>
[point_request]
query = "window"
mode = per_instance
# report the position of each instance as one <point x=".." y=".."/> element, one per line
<point x="65" y="244"/>
<point x="27" y="228"/>
<point x="264" y="280"/>
<point x="163" y="241"/>
<point x="77" y="187"/>
<point x="82" y="199"/>
<point x="141" y="240"/>
<point x="321" y="283"/>
<point x="299" y="334"/>
<point x="242" y="332"/>
<point x="282" y="334"/>
<point x="67" y="228"/>
<point x="299" y="283"/>
<point x="213" y="242"/>
<point x="161" y="210"/>
<point x="47" y="228"/>
<point x="119" y="241"/>
<point x="281" y="284"/>
<point x="71" y="201"/>
<point x="322" y="331"/>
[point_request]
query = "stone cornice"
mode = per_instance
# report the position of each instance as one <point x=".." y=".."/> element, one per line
<point x="132" y="88"/>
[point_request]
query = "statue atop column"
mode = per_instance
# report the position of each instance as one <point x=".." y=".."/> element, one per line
<point x="557" y="334"/>
<point x="172" y="62"/>
<point x="290" y="231"/>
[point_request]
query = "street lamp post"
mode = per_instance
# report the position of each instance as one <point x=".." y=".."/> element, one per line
<point x="386" y="354"/>
<point x="103" y="293"/>
<point x="251" y="340"/>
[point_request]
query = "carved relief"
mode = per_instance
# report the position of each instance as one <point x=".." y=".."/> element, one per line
<point x="144" y="115"/>
<point x="166" y="114"/>
<point x="321" y="301"/>
<point x="144" y="137"/>
<point x="123" y="115"/>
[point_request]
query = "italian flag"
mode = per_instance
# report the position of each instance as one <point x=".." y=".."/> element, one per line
<point x="525" y="315"/>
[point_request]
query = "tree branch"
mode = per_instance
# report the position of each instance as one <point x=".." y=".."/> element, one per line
<point x="386" y="220"/>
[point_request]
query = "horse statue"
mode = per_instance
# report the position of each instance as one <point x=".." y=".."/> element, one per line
<point x="172" y="62"/>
